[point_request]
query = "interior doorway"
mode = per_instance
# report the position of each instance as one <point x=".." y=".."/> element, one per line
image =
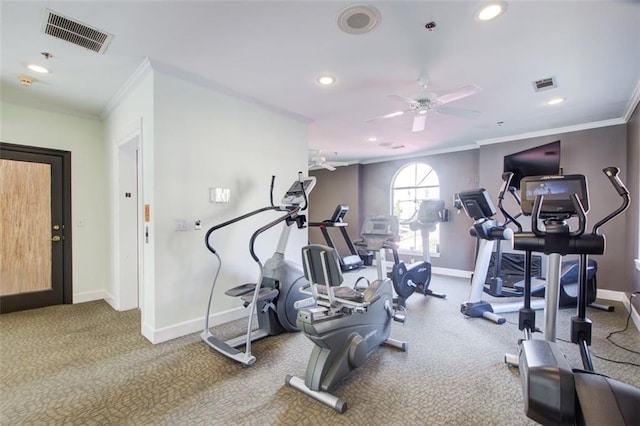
<point x="128" y="274"/>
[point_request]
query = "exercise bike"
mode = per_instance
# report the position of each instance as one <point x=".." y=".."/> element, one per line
<point x="554" y="393"/>
<point x="275" y="300"/>
<point x="346" y="326"/>
<point x="417" y="277"/>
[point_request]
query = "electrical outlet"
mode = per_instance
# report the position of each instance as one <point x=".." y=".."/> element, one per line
<point x="181" y="225"/>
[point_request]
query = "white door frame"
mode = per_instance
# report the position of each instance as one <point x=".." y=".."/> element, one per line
<point x="128" y="298"/>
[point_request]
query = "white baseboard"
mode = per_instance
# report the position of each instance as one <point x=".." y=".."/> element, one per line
<point x="88" y="296"/>
<point x="451" y="272"/>
<point x="618" y="296"/>
<point x="192" y="326"/>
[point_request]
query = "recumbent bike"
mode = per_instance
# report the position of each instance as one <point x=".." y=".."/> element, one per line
<point x="347" y="325"/>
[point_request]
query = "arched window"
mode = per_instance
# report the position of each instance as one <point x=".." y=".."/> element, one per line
<point x="412" y="184"/>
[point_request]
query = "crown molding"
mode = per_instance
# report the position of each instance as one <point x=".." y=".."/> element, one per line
<point x="131" y="83"/>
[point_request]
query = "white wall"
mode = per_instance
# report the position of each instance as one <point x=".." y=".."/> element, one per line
<point x="204" y="139"/>
<point x="84" y="138"/>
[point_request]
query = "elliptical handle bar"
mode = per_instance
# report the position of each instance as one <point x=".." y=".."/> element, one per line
<point x="612" y="174"/>
<point x="234" y="220"/>
<point x="290" y="214"/>
<point x="506" y="182"/>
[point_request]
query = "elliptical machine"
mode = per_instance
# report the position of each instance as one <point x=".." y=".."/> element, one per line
<point x="477" y="205"/>
<point x="417" y="277"/>
<point x="274" y="299"/>
<point x="554" y="393"/>
<point x="347" y="325"/>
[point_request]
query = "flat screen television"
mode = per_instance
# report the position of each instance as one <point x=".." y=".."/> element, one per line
<point x="541" y="160"/>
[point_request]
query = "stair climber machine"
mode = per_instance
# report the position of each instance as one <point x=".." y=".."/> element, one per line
<point x="347" y="325"/>
<point x="478" y="206"/>
<point x="417" y="277"/>
<point x="554" y="393"/>
<point x="274" y="300"/>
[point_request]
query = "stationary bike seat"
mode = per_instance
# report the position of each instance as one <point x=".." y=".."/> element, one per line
<point x="345" y="293"/>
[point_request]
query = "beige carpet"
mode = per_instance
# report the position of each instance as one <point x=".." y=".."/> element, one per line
<point x="87" y="364"/>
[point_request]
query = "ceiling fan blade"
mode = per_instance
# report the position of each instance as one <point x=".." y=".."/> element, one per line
<point x="458" y="112"/>
<point x="405" y="99"/>
<point x="393" y="114"/>
<point x="462" y="92"/>
<point x="339" y="163"/>
<point x="327" y="166"/>
<point x="419" y="122"/>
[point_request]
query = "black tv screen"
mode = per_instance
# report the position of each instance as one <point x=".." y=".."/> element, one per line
<point x="541" y="160"/>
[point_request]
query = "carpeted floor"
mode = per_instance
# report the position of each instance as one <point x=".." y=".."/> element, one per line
<point x="88" y="364"/>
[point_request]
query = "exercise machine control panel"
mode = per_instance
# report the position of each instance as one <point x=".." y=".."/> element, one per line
<point x="557" y="192"/>
<point x="295" y="195"/>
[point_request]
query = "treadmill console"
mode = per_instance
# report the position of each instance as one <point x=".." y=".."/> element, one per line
<point x="557" y="191"/>
<point x="380" y="228"/>
<point x="294" y="195"/>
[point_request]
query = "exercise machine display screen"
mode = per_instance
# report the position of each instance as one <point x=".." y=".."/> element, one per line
<point x="557" y="192"/>
<point x="380" y="227"/>
<point x="294" y="195"/>
<point x="477" y="204"/>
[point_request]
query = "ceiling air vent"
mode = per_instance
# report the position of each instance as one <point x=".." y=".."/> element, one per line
<point x="544" y="84"/>
<point x="67" y="29"/>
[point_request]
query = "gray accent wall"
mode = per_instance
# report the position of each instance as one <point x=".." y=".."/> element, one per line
<point x="584" y="152"/>
<point x="632" y="249"/>
<point x="342" y="186"/>
<point x="456" y="171"/>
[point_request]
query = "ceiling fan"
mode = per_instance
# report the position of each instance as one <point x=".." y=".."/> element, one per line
<point x="318" y="161"/>
<point x="429" y="101"/>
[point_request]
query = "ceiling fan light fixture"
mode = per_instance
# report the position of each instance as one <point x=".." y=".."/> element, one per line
<point x="490" y="11"/>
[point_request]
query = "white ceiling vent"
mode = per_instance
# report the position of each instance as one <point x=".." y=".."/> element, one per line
<point x="544" y="84"/>
<point x="75" y="32"/>
<point x="358" y="19"/>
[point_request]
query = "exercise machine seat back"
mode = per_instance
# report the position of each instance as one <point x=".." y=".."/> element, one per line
<point x="315" y="272"/>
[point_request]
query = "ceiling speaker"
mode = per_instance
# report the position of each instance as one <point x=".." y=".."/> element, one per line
<point x="358" y="19"/>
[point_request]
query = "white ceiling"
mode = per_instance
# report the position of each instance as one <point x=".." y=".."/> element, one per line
<point x="271" y="53"/>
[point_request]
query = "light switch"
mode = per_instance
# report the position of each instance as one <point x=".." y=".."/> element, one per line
<point x="219" y="195"/>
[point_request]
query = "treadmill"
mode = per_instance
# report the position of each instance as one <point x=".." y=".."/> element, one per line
<point x="352" y="261"/>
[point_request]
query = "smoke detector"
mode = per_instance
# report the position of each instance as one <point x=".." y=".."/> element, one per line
<point x="25" y="80"/>
<point x="358" y="19"/>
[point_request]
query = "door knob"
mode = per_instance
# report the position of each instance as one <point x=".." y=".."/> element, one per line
<point x="56" y="238"/>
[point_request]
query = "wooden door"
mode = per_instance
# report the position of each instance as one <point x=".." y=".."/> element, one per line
<point x="35" y="232"/>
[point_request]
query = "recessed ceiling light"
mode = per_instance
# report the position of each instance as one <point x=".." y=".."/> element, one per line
<point x="37" y="68"/>
<point x="372" y="139"/>
<point x="326" y="80"/>
<point x="490" y="11"/>
<point x="555" y="101"/>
